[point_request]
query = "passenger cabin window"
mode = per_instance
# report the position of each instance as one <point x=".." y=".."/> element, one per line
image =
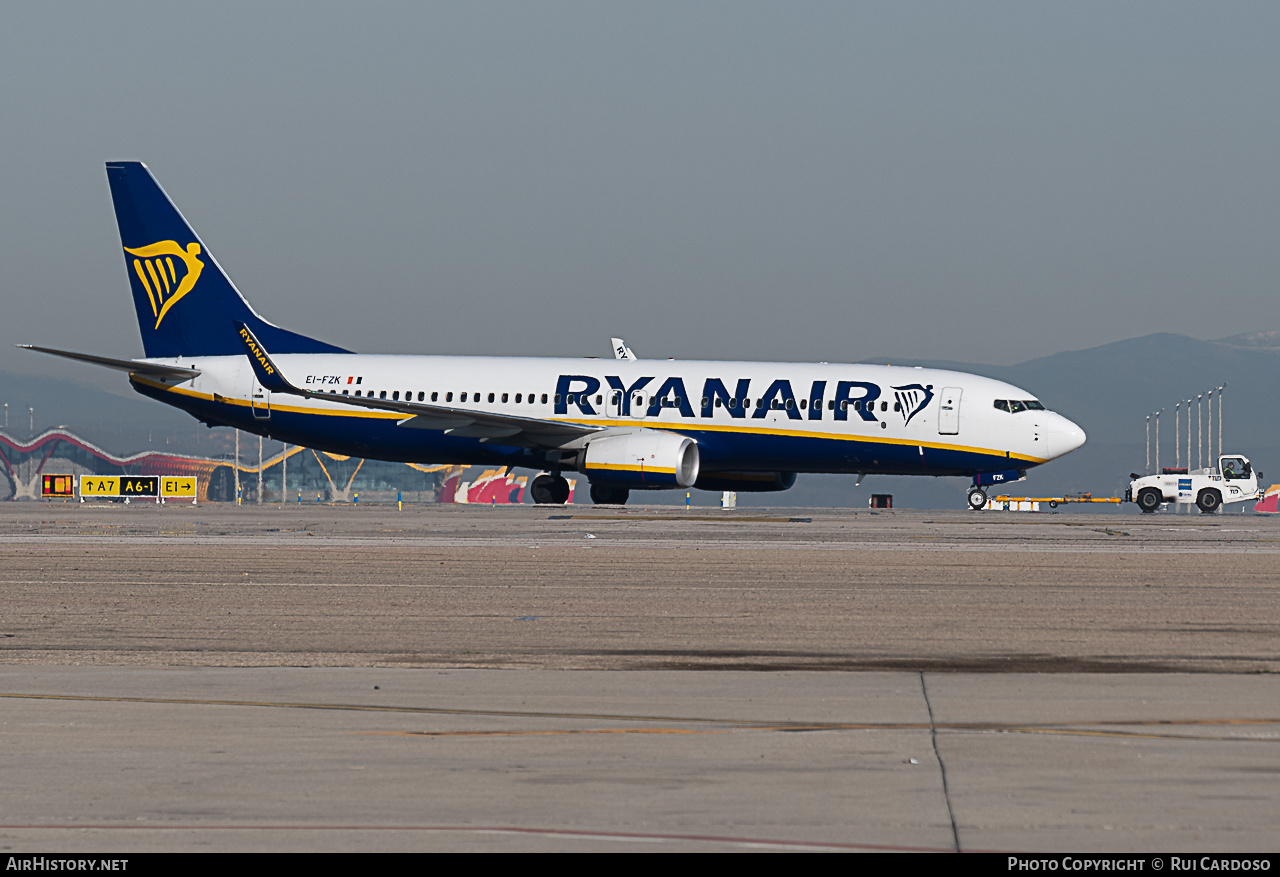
<point x="382" y="394"/>
<point x="491" y="398"/>
<point x="395" y="396"/>
<point x="448" y="397"/>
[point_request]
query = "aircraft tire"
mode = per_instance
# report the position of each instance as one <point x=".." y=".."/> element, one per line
<point x="602" y="495"/>
<point x="1149" y="500"/>
<point x="549" y="490"/>
<point x="977" y="499"/>
<point x="1208" y="501"/>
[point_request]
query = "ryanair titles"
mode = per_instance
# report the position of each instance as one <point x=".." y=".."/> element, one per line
<point x="646" y="397"/>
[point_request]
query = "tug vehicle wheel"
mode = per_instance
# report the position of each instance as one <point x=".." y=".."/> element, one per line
<point x="1149" y="500"/>
<point x="1208" y="501"/>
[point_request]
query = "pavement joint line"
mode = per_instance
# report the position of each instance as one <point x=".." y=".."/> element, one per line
<point x="1072" y="727"/>
<point x="942" y="767"/>
<point x="583" y="834"/>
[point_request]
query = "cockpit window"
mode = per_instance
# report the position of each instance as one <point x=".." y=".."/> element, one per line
<point x="1013" y="406"/>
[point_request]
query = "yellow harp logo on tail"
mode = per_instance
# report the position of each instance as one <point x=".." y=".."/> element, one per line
<point x="155" y="267"/>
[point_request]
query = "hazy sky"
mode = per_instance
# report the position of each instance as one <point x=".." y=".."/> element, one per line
<point x="795" y="181"/>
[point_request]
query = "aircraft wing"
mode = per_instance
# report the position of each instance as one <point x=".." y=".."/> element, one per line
<point x="462" y="422"/>
<point x="150" y="369"/>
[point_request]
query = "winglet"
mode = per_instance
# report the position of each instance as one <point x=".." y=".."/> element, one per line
<point x="621" y="350"/>
<point x="268" y="374"/>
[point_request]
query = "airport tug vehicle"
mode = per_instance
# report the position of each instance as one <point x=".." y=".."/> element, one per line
<point x="1233" y="481"/>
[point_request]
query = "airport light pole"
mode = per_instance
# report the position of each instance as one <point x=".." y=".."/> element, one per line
<point x="32" y="425"/>
<point x="1220" y="389"/>
<point x="1188" y="435"/>
<point x="6" y="415"/>
<point x="1199" y="435"/>
<point x="1158" y="441"/>
<point x="1177" y="435"/>
<point x="1148" y="463"/>
<point x="259" y="470"/>
<point x="1210" y="415"/>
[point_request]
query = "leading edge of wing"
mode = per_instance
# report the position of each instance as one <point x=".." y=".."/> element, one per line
<point x="460" y="422"/>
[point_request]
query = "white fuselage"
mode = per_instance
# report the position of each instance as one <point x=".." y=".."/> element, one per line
<point x="747" y="416"/>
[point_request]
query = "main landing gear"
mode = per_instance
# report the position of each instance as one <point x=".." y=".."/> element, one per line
<point x="977" y="498"/>
<point x="602" y="495"/>
<point x="549" y="490"/>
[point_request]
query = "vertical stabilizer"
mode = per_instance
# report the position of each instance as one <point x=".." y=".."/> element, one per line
<point x="186" y="304"/>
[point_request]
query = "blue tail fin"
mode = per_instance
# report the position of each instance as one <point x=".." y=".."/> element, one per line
<point x="186" y="305"/>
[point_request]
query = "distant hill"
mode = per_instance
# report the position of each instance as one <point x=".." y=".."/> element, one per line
<point x="1108" y="390"/>
<point x="121" y="422"/>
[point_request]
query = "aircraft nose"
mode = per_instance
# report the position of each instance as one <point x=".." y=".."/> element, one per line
<point x="1064" y="436"/>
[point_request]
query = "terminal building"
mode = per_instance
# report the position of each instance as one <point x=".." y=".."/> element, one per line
<point x="294" y="475"/>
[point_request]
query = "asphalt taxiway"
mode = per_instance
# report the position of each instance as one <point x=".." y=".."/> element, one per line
<point x="447" y="678"/>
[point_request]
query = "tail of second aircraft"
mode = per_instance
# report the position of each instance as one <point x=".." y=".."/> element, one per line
<point x="186" y="304"/>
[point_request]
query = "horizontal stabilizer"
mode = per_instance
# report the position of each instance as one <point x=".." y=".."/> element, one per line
<point x="150" y="369"/>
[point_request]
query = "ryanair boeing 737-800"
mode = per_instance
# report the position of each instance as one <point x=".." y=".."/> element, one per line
<point x="625" y="423"/>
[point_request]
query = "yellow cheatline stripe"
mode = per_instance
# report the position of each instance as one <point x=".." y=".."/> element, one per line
<point x="831" y="436"/>
<point x="244" y="403"/>
<point x="626" y="467"/>
<point x="661" y="425"/>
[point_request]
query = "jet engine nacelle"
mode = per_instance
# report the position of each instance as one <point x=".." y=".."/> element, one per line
<point x="746" y="482"/>
<point x="648" y="460"/>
